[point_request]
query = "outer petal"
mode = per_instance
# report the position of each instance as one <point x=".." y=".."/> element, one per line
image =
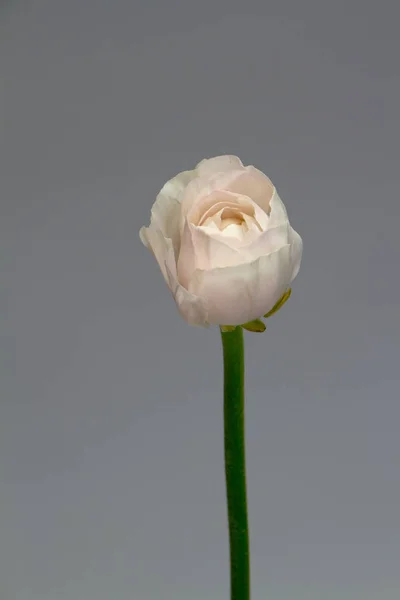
<point x="235" y="295"/>
<point x="191" y="308"/>
<point x="166" y="209"/>
<point x="218" y="164"/>
<point x="186" y="260"/>
<point x="156" y="242"/>
<point x="278" y="214"/>
<point x="296" y="251"/>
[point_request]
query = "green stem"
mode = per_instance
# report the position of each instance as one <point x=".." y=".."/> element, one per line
<point x="235" y="463"/>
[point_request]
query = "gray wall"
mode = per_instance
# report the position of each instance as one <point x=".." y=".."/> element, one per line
<point x="111" y="457"/>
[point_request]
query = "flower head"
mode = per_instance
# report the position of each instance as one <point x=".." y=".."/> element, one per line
<point x="223" y="241"/>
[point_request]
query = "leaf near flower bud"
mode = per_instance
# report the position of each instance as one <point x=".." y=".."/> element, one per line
<point x="256" y="326"/>
<point x="279" y="304"/>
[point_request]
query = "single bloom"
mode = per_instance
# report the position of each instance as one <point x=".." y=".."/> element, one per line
<point x="222" y="238"/>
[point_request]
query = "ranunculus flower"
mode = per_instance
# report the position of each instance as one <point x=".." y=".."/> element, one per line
<point x="222" y="238"/>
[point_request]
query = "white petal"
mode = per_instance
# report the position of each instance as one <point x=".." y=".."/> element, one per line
<point x="255" y="184"/>
<point x="156" y="242"/>
<point x="261" y="216"/>
<point x="143" y="237"/>
<point x="186" y="260"/>
<point x="267" y="242"/>
<point x="218" y="164"/>
<point x="235" y="295"/>
<point x="211" y="248"/>
<point x="278" y="215"/>
<point x="296" y="251"/>
<point x="165" y="212"/>
<point x="173" y="188"/>
<point x="191" y="308"/>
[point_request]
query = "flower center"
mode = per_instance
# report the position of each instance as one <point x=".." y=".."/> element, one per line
<point x="229" y="217"/>
<point x="226" y="214"/>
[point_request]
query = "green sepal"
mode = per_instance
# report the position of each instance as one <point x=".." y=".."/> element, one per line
<point x="226" y="328"/>
<point x="279" y="304"/>
<point x="256" y="326"/>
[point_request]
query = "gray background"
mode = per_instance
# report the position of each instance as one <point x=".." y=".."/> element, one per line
<point x="111" y="456"/>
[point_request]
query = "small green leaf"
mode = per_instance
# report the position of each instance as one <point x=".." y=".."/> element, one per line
<point x="257" y="326"/>
<point x="279" y="304"/>
<point x="226" y="328"/>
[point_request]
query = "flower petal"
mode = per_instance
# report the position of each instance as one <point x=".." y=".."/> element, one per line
<point x="210" y="249"/>
<point x="165" y="211"/>
<point x="191" y="307"/>
<point x="186" y="260"/>
<point x="296" y="251"/>
<point x="278" y="214"/>
<point x="255" y="184"/>
<point x="266" y="242"/>
<point x="156" y="242"/>
<point x="143" y="237"/>
<point x="244" y="292"/>
<point x="218" y="164"/>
